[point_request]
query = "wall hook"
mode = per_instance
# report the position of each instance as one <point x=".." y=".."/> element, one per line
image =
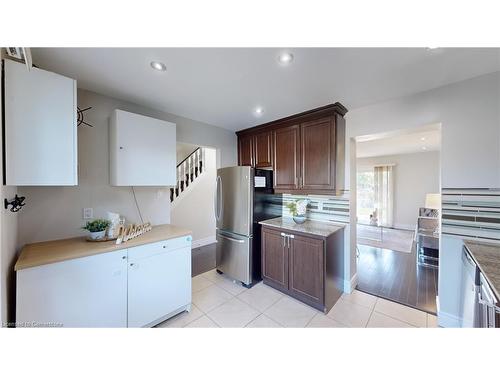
<point x="17" y="203"/>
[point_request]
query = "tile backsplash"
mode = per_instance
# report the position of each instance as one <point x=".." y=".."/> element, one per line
<point x="322" y="207"/>
<point x="471" y="213"/>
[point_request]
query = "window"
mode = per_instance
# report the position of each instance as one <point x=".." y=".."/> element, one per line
<point x="366" y="196"/>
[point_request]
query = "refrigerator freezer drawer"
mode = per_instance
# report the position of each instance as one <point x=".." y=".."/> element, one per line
<point x="234" y="256"/>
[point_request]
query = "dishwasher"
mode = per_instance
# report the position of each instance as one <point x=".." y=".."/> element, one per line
<point x="488" y="309"/>
<point x="469" y="291"/>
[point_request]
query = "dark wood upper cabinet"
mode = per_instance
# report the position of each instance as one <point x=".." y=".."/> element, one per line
<point x="274" y="258"/>
<point x="286" y="157"/>
<point x="245" y="151"/>
<point x="318" y="154"/>
<point x="263" y="147"/>
<point x="306" y="269"/>
<point x="306" y="150"/>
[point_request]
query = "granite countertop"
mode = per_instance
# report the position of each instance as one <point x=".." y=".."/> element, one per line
<point x="318" y="228"/>
<point x="487" y="257"/>
<point x="41" y="253"/>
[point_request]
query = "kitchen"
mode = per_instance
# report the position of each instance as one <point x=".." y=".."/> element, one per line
<point x="283" y="215"/>
<point x="91" y="138"/>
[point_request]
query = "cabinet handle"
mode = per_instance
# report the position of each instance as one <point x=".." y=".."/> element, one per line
<point x="121" y="147"/>
<point x="164" y="246"/>
<point x="124" y="257"/>
<point x="131" y="264"/>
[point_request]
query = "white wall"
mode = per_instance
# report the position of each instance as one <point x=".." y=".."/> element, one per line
<point x="56" y="212"/>
<point x="470" y="152"/>
<point x="470" y="116"/>
<point x="8" y="237"/>
<point x="194" y="209"/>
<point x="184" y="150"/>
<point x="415" y="175"/>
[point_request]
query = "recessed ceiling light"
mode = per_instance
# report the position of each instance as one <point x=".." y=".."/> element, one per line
<point x="432" y="48"/>
<point x="285" y="58"/>
<point x="158" y="65"/>
<point x="424" y="148"/>
<point x="258" y="111"/>
<point x="422" y="139"/>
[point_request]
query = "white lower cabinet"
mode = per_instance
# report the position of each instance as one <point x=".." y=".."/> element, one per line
<point x="136" y="287"/>
<point x="158" y="285"/>
<point x="83" y="292"/>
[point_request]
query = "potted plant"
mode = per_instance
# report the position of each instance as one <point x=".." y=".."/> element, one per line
<point x="97" y="228"/>
<point x="298" y="210"/>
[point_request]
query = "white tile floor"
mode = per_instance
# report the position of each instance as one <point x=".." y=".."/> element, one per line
<point x="218" y="302"/>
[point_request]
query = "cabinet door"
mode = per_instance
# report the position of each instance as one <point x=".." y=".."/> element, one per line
<point x="263" y="150"/>
<point x="245" y="151"/>
<point x="142" y="150"/>
<point x="286" y="158"/>
<point x="318" y="154"/>
<point x="40" y="127"/>
<point x="306" y="269"/>
<point x="84" y="292"/>
<point x="274" y="258"/>
<point x="158" y="285"/>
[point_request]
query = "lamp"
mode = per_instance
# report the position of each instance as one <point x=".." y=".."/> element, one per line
<point x="433" y="201"/>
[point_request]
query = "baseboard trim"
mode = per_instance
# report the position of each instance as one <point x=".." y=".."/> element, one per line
<point x="404" y="226"/>
<point x="203" y="241"/>
<point x="350" y="285"/>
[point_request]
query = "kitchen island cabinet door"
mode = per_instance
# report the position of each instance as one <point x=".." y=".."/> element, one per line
<point x="83" y="292"/>
<point x="159" y="284"/>
<point x="306" y="274"/>
<point x="286" y="158"/>
<point x="318" y="154"/>
<point x="274" y="259"/>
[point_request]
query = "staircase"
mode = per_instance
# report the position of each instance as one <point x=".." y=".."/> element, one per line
<point x="187" y="171"/>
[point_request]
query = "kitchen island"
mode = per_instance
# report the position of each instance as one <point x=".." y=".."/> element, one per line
<point x="305" y="261"/>
<point x="487" y="258"/>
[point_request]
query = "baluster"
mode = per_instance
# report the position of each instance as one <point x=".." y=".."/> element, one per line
<point x="197" y="162"/>
<point x="184" y="175"/>
<point x="178" y="181"/>
<point x="202" y="161"/>
<point x="190" y="175"/>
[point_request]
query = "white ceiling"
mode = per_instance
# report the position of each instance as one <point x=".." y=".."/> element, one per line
<point x="402" y="143"/>
<point x="222" y="86"/>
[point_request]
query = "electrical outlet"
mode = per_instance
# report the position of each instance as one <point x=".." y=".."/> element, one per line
<point x="88" y="213"/>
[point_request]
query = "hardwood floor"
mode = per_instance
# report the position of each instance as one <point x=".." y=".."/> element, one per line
<point x="395" y="276"/>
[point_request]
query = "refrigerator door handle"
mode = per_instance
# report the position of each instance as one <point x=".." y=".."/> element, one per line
<point x="217" y="197"/>
<point x="221" y="201"/>
<point x="216" y="200"/>
<point x="230" y="239"/>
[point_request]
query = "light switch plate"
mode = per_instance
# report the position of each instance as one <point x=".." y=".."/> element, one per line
<point x="88" y="213"/>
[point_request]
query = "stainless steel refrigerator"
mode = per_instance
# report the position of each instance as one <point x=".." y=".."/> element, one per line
<point x="244" y="196"/>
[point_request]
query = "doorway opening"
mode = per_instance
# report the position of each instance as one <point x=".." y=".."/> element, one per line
<point x="398" y="202"/>
<point x="192" y="201"/>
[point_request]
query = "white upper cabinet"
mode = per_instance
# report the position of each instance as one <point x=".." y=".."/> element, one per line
<point x="142" y="150"/>
<point x="40" y="127"/>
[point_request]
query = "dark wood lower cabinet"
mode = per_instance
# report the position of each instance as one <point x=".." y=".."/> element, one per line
<point x="275" y="259"/>
<point x="307" y="267"/>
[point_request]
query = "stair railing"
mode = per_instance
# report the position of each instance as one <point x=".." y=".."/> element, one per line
<point x="187" y="171"/>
